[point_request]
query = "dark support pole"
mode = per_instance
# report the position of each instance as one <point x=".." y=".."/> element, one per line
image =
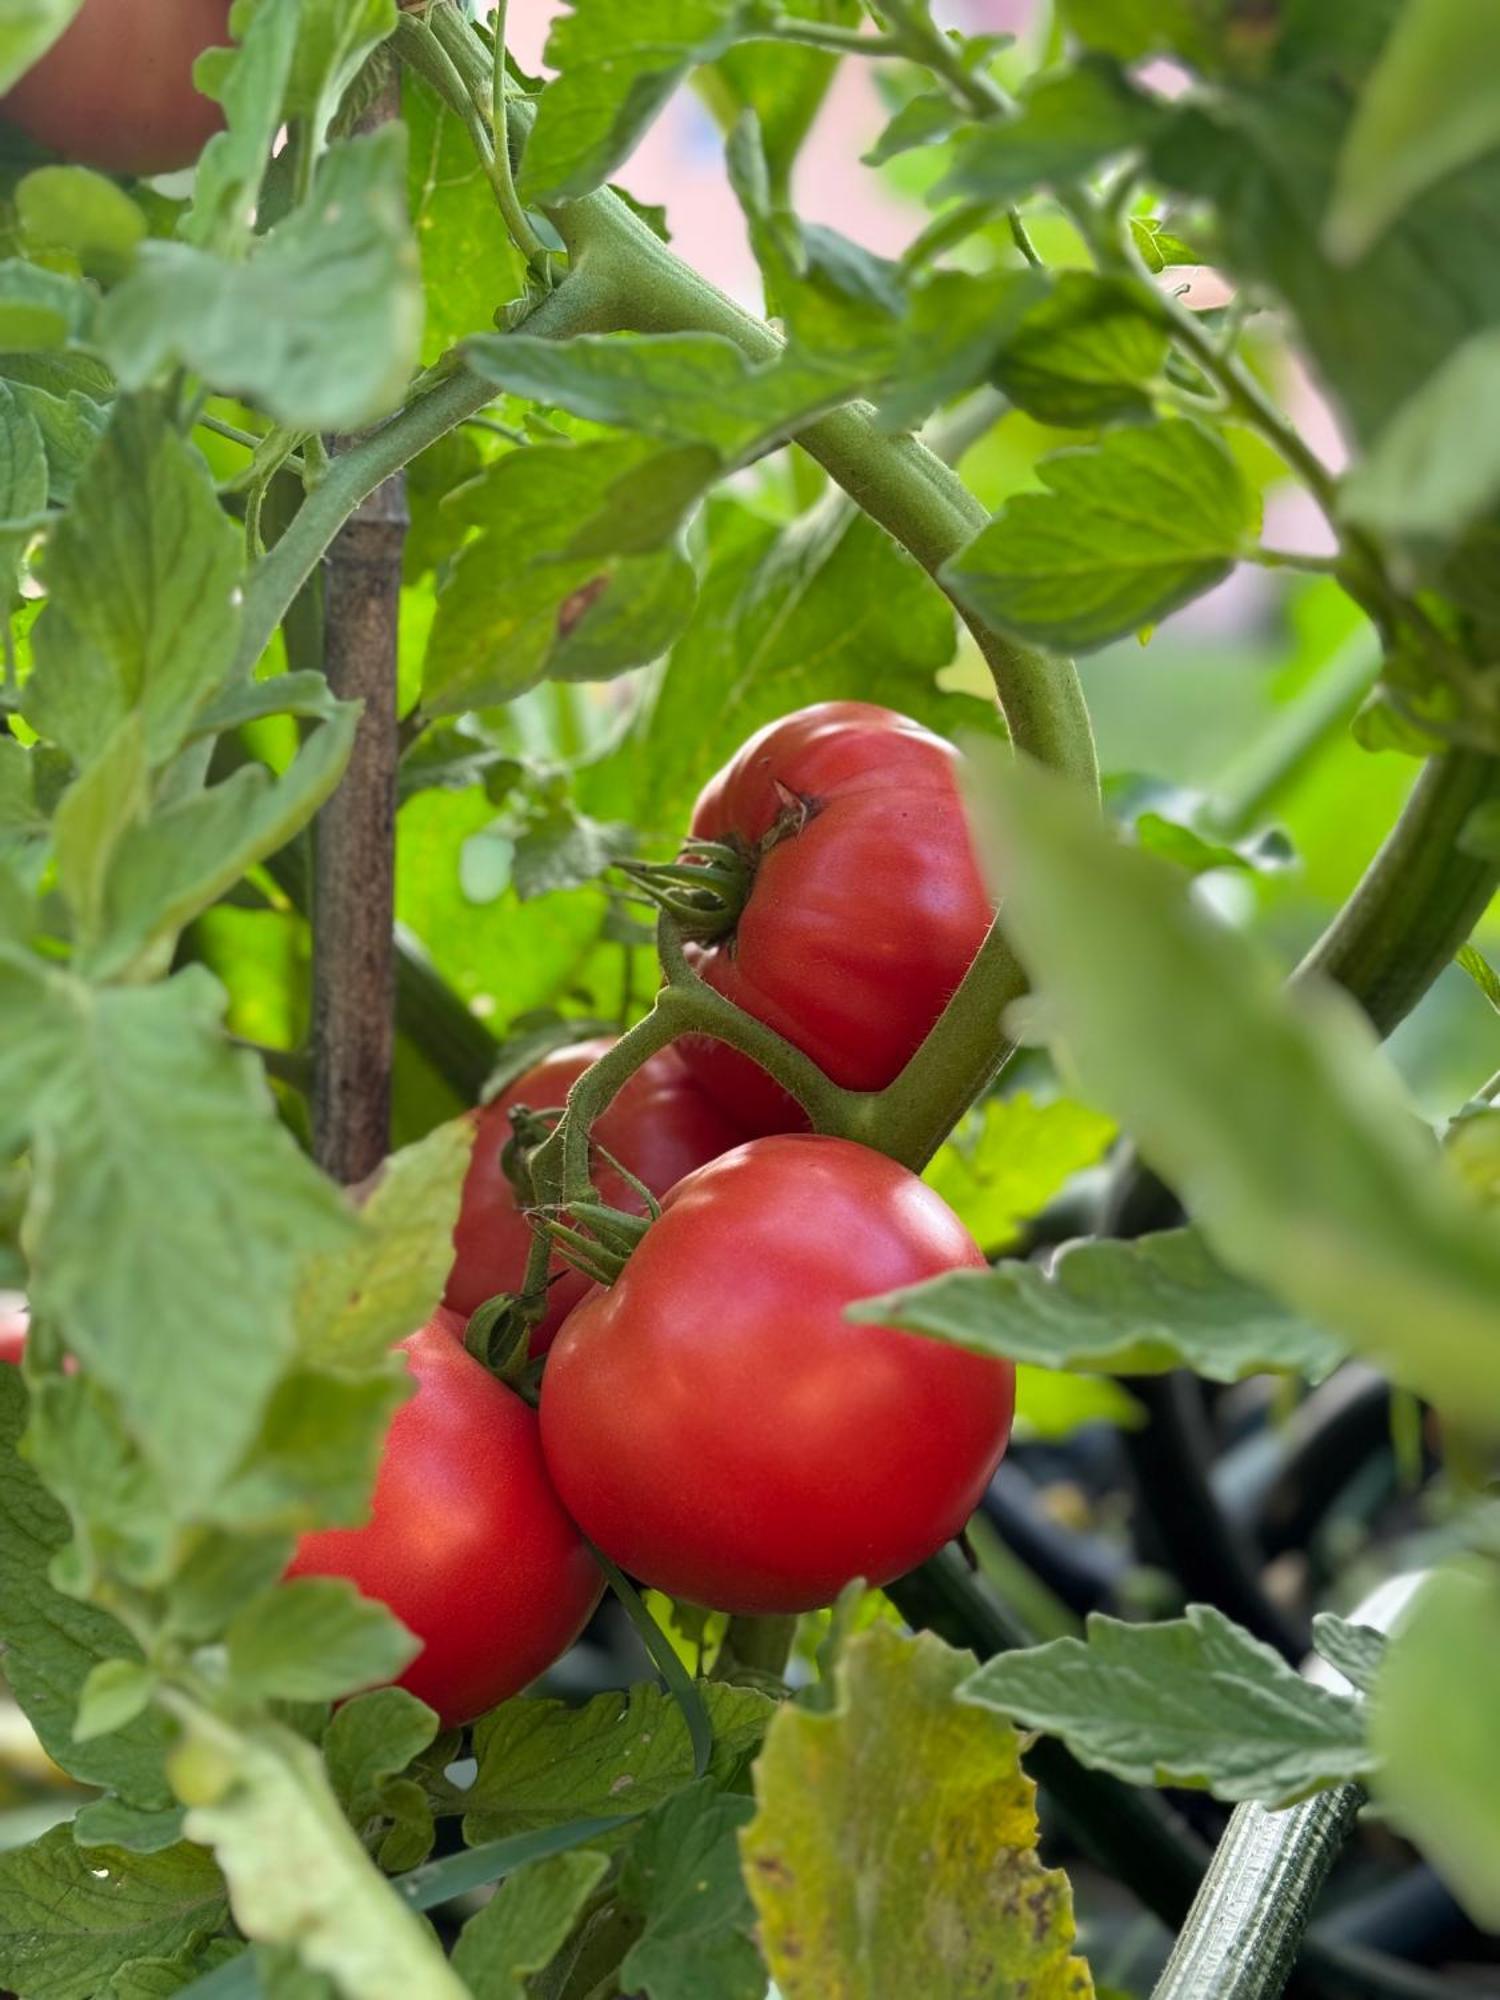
<point x="354" y="873"/>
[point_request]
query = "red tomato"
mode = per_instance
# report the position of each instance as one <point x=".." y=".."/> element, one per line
<point x="861" y="921"/>
<point x="716" y="1426"/>
<point x="14" y="1320"/>
<point x="660" y="1126"/>
<point x="115" y="91"/>
<point x="467" y="1542"/>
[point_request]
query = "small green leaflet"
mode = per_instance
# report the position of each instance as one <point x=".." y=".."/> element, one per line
<point x="1194" y="1702"/>
<point x="1128" y="530"/>
<point x="1272" y="1114"/>
<point x="525" y="1924"/>
<point x="1431" y="105"/>
<point x="1138" y="1308"/>
<point x="314" y="1639"/>
<point x="1355" y="1651"/>
<point x="1067" y="124"/>
<point x="321" y="325"/>
<point x="617" y="66"/>
<point x="1432" y="1725"/>
<point x="682" y="1877"/>
<point x="83" y="214"/>
<point x="251" y="85"/>
<point x="784" y="85"/>
<point x="1085" y="354"/>
<point x="1010" y="1157"/>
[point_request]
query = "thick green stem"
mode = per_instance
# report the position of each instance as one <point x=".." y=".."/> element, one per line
<point x="1420" y="897"/>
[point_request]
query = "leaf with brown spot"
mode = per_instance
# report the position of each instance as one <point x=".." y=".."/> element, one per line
<point x="894" y="1849"/>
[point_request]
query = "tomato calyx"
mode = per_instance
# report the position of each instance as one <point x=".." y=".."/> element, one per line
<point x="705" y="890"/>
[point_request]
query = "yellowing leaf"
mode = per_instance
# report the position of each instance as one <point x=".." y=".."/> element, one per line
<point x="894" y="1850"/>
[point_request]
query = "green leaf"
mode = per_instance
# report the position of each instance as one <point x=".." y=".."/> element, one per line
<point x="1431" y="1725"/>
<point x="542" y="1763"/>
<point x="525" y="1924"/>
<point x="110" y="1822"/>
<point x="686" y="388"/>
<point x="1128" y="530"/>
<point x="1130" y="29"/>
<point x="924" y="120"/>
<point x="297" y="1872"/>
<point x="321" y="326"/>
<point x="354" y="1306"/>
<point x="314" y="1457"/>
<point x="1271" y="1113"/>
<point x="335" y="40"/>
<point x="784" y="86"/>
<point x="143" y="572"/>
<point x="1011" y="1157"/>
<point x="23" y="482"/>
<point x="617" y="68"/>
<point x="1193" y="1701"/>
<point x="1140" y="1308"/>
<point x="40" y="309"/>
<point x="28" y="28"/>
<point x="1483" y="974"/>
<point x="1428" y="108"/>
<point x="831" y="1887"/>
<point x="169" y="1207"/>
<point x="252" y="87"/>
<point x="682" y="1877"/>
<point x="1355" y="1651"/>
<point x="315" y="1639"/>
<point x="115" y="1693"/>
<point x="1067" y="124"/>
<point x="93" y="816"/>
<point x="1086" y="354"/>
<point x="372" y="1739"/>
<point x="162" y="1978"/>
<point x="1434" y="469"/>
<point x="70" y="426"/>
<point x="1051" y="1405"/>
<point x="160" y="875"/>
<point x="72" y="1917"/>
<point x="84" y="214"/>
<point x="53" y="1643"/>
<point x="562" y="849"/>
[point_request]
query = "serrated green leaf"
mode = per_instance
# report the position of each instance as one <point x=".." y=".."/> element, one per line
<point x="335" y="39"/>
<point x="1066" y="125"/>
<point x="142" y="572"/>
<point x="114" y="1694"/>
<point x="252" y="88"/>
<point x="686" y="388"/>
<point x="71" y="1917"/>
<point x="372" y="1739"/>
<point x="924" y="120"/>
<point x="93" y="817"/>
<point x="617" y="68"/>
<point x="52" y="1643"/>
<point x="321" y="326"/>
<point x="70" y="426"/>
<point x="682" y="1877"/>
<point x="542" y="1763"/>
<point x="297" y="1873"/>
<point x="161" y="1978"/>
<point x="1085" y="354"/>
<point x="353" y="1307"/>
<point x="110" y="1822"/>
<point x="841" y="1907"/>
<point x="1128" y="530"/>
<point x="85" y="214"/>
<point x="169" y="1206"/>
<point x="1354" y="1650"/>
<point x="28" y="28"/>
<point x="1272" y="1114"/>
<point x="1428" y="108"/>
<point x="524" y="1925"/>
<point x="315" y="1639"/>
<point x="314" y="1457"/>
<point x="563" y="849"/>
<point x="23" y="482"/>
<point x="1139" y="1308"/>
<point x="784" y="86"/>
<point x="1439" y="1759"/>
<point x="1193" y="1701"/>
<point x="471" y="269"/>
<point x="1010" y="1157"/>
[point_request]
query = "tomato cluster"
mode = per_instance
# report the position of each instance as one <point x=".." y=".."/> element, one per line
<point x="711" y="1421"/>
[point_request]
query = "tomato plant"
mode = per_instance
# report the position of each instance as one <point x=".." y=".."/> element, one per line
<point x="466" y="1542"/>
<point x="1043" y="466"/>
<point x="659" y="1128"/>
<point x="721" y="1431"/>
<point x="116" y="89"/>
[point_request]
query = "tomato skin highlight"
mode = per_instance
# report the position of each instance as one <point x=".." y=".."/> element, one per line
<point x="467" y="1542"/>
<point x="115" y="91"/>
<point x="661" y="1126"/>
<point x="719" y="1430"/>
<point x="858" y="927"/>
